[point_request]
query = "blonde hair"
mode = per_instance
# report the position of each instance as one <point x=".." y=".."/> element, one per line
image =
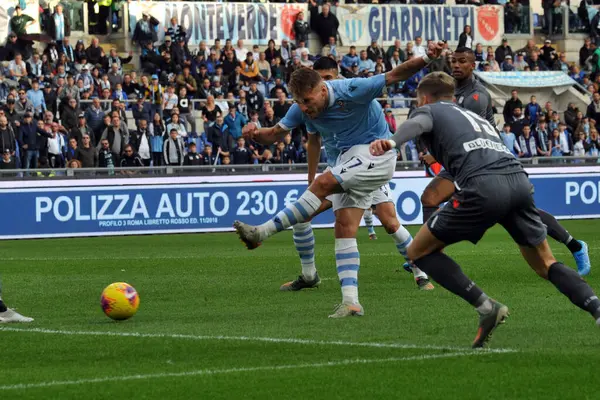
<point x="437" y="85"/>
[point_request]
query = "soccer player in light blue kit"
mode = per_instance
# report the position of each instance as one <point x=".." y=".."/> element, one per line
<point x="303" y="236"/>
<point x="346" y="110"/>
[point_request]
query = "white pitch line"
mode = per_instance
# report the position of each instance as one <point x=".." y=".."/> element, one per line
<point x="211" y="372"/>
<point x="247" y="339"/>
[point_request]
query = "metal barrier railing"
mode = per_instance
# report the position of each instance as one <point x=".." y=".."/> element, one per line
<point x="249" y="169"/>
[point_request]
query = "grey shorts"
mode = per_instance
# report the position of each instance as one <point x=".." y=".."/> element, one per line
<point x="487" y="200"/>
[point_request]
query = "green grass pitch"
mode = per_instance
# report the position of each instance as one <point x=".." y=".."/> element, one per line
<point x="212" y="324"/>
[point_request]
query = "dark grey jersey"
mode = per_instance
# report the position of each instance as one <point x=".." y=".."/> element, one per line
<point x="463" y="142"/>
<point x="473" y="96"/>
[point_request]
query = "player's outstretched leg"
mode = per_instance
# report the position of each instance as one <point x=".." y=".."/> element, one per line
<point x="578" y="248"/>
<point x="300" y="211"/>
<point x="425" y="251"/>
<point x="402" y="237"/>
<point x="368" y="217"/>
<point x="566" y="280"/>
<point x="304" y="240"/>
<point x="7" y="315"/>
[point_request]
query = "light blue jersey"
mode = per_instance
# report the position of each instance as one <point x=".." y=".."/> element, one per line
<point x="352" y="117"/>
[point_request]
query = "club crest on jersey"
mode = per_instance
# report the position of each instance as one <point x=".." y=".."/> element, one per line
<point x="340" y="104"/>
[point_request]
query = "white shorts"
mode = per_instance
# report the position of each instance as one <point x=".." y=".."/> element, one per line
<point x="361" y="175"/>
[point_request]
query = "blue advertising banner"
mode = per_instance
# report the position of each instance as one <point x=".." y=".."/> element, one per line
<point x="359" y="25"/>
<point x="146" y="209"/>
<point x="527" y="79"/>
<point x="255" y="23"/>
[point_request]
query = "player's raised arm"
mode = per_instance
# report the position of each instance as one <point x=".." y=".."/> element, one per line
<point x="408" y="68"/>
<point x="291" y="120"/>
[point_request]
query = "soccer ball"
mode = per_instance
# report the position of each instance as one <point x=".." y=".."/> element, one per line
<point x="120" y="301"/>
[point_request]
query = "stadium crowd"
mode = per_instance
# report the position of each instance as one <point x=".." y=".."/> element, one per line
<point x="70" y="104"/>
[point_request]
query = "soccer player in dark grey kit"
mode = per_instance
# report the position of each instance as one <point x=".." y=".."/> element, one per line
<point x="472" y="95"/>
<point x="492" y="188"/>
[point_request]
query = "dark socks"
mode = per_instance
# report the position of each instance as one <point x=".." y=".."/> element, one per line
<point x="573" y="245"/>
<point x="2" y="306"/>
<point x="428" y="212"/>
<point x="447" y="273"/>
<point x="558" y="233"/>
<point x="569" y="283"/>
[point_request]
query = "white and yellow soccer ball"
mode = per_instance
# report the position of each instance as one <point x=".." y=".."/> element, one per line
<point x="120" y="301"/>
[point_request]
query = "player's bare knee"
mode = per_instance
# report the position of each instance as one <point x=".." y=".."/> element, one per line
<point x="390" y="224"/>
<point x="324" y="185"/>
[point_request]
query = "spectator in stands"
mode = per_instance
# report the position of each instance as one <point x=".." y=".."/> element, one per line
<point x="57" y="146"/>
<point x="71" y="149"/>
<point x="419" y="49"/>
<point x="264" y="69"/>
<point x="555" y="144"/>
<point x="566" y="139"/>
<point x="220" y="136"/>
<point x="106" y="158"/>
<point x="512" y="16"/>
<point x="36" y="97"/>
<point x="242" y="154"/>
<point x="116" y="137"/>
<point x="174" y="30"/>
<point x="542" y="136"/>
<point x="348" y="60"/>
<point x="330" y="48"/>
<point x="144" y="31"/>
<point x="324" y="24"/>
<point x="502" y="51"/>
<point x="70" y="115"/>
<point x="559" y="63"/>
<point x="271" y="52"/>
<point x="510" y="140"/>
<point x="533" y="111"/>
<point x="593" y="110"/>
<point x="507" y="65"/>
<point x="86" y="153"/>
<point x="535" y="64"/>
<point x="517" y="122"/>
<point x="30" y="135"/>
<point x="579" y="146"/>
<point x="181" y="56"/>
<point x="585" y="52"/>
<point x="365" y="65"/>
<point x="304" y="60"/>
<point x="22" y="105"/>
<point x="174" y="151"/>
<point x="374" y="51"/>
<point x="210" y="111"/>
<point x="571" y="117"/>
<point x="281" y="106"/>
<point x="397" y="47"/>
<point x="510" y="105"/>
<point x="593" y="144"/>
<point x="249" y="69"/>
<point x="527" y="143"/>
<point x="255" y="98"/>
<point x="494" y="66"/>
<point x="287" y="50"/>
<point x="177" y="125"/>
<point x="81" y="129"/>
<point x="301" y="28"/>
<point x="466" y="38"/>
<point x="94" y="52"/>
<point x="235" y="122"/>
<point x="130" y="160"/>
<point x="18" y="25"/>
<point x="17" y="69"/>
<point x="142" y="143"/>
<point x="59" y="26"/>
<point x="240" y="51"/>
<point x="8" y="138"/>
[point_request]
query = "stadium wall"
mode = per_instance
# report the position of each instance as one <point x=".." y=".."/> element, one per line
<point x="134" y="206"/>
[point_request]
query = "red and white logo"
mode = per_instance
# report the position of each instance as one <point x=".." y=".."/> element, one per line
<point x="288" y="17"/>
<point x="488" y="21"/>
